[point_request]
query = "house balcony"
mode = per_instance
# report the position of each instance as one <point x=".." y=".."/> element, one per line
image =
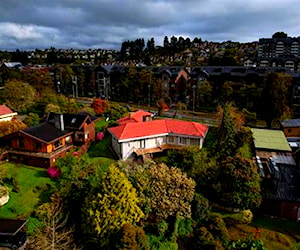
<point x="41" y="154"/>
<point x="160" y="148"/>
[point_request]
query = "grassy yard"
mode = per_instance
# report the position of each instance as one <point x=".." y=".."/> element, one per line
<point x="102" y="148"/>
<point x="29" y="187"/>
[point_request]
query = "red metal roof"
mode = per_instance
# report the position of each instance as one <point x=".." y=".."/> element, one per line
<point x="156" y="127"/>
<point x="135" y="117"/>
<point x="4" y="110"/>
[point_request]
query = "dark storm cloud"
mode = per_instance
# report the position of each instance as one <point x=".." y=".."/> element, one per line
<point x="106" y="23"/>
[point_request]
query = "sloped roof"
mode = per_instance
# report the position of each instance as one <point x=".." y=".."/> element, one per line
<point x="45" y="132"/>
<point x="290" y="123"/>
<point x="11" y="226"/>
<point x="13" y="64"/>
<point x="72" y="121"/>
<point x="4" y="110"/>
<point x="135" y="117"/>
<point x="270" y="139"/>
<point x="157" y="127"/>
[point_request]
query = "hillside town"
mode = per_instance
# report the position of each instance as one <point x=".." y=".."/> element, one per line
<point x="189" y="145"/>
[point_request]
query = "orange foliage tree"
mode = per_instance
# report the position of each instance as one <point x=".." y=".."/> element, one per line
<point x="100" y="106"/>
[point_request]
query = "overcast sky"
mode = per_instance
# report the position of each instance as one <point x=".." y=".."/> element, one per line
<point x="30" y="24"/>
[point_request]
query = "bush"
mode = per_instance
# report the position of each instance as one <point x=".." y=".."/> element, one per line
<point x="200" y="208"/>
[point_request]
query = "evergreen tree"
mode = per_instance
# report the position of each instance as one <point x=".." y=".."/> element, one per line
<point x="110" y="205"/>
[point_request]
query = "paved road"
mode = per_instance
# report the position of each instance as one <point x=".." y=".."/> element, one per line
<point x="209" y="119"/>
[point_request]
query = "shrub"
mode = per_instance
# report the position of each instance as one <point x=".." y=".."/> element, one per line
<point x="200" y="208"/>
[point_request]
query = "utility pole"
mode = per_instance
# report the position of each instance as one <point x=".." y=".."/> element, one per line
<point x="149" y="99"/>
<point x="194" y="96"/>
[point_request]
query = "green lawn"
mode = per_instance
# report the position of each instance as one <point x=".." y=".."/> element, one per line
<point x="102" y="149"/>
<point x="34" y="188"/>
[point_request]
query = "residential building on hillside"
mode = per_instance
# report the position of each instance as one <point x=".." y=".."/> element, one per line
<point x="138" y="116"/>
<point x="280" y="175"/>
<point x="279" y="52"/>
<point x="144" y="138"/>
<point x="41" y="145"/>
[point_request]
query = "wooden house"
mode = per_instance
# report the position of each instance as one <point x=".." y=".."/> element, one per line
<point x="41" y="145"/>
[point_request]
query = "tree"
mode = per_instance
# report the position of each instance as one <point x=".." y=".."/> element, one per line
<point x="110" y="205"/>
<point x="280" y="34"/>
<point x="275" y="96"/>
<point x="171" y="193"/>
<point x="184" y="158"/>
<point x="40" y="80"/>
<point x="205" y="93"/>
<point x="8" y="127"/>
<point x="54" y="234"/>
<point x="100" y="106"/>
<point x="166" y="42"/>
<point x="132" y="237"/>
<point x="231" y="123"/>
<point x="239" y="183"/>
<point x="32" y="119"/>
<point x="18" y="95"/>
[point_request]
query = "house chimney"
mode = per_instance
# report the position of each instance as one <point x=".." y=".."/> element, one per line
<point x="59" y="121"/>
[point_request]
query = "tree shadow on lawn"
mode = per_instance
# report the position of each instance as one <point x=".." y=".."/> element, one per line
<point x="102" y="149"/>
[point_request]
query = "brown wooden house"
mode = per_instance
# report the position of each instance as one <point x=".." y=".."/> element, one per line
<point x="41" y="145"/>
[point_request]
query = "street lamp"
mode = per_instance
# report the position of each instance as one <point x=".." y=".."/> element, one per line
<point x="194" y="96"/>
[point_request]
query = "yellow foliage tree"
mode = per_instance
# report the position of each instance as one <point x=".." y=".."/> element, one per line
<point x="113" y="203"/>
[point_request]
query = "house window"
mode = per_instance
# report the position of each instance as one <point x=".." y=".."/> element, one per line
<point x="57" y="144"/>
<point x="21" y="142"/>
<point x="38" y="146"/>
<point x="87" y="136"/>
<point x="289" y="130"/>
<point x="183" y="140"/>
<point x="68" y="139"/>
<point x="142" y="143"/>
<point x="194" y="141"/>
<point x="171" y="139"/>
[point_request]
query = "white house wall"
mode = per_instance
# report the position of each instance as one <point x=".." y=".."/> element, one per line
<point x="125" y="149"/>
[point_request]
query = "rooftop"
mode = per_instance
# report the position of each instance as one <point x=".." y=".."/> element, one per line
<point x="11" y="226"/>
<point x="4" y="110"/>
<point x="270" y="139"/>
<point x="157" y="127"/>
<point x="290" y="123"/>
<point x="45" y="132"/>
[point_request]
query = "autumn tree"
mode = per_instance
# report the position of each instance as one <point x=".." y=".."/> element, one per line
<point x="8" y="127"/>
<point x="111" y="204"/>
<point x="275" y="96"/>
<point x="100" y="106"/>
<point x="18" y="95"/>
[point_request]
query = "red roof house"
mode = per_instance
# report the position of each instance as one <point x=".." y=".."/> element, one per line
<point x="138" y="116"/>
<point x="6" y="114"/>
<point x="155" y="136"/>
